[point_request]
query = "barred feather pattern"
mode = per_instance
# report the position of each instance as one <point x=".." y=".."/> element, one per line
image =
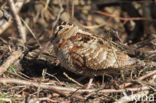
<point x="84" y="53"/>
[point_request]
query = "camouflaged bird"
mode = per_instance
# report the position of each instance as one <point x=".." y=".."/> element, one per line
<point x="86" y="54"/>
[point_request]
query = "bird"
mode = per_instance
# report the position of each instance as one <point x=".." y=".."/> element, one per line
<point x="85" y="53"/>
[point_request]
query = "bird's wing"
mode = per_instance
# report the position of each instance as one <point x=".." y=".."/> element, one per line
<point x="94" y="53"/>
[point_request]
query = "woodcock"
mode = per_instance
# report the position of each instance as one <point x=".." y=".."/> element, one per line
<point x="86" y="54"/>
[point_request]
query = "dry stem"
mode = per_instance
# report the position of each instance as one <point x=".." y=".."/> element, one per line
<point x="57" y="89"/>
<point x="10" y="60"/>
<point x="140" y="78"/>
<point x="18" y="22"/>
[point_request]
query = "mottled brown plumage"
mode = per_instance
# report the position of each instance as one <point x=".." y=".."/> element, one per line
<point x="86" y="54"/>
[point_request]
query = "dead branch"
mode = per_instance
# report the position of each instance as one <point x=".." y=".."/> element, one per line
<point x="16" y="54"/>
<point x="6" y="100"/>
<point x="66" y="75"/>
<point x="18" y="22"/>
<point x="59" y="14"/>
<point x="57" y="89"/>
<point x="121" y="18"/>
<point x="140" y="78"/>
<point x="41" y="85"/>
<point x="6" y="24"/>
<point x="10" y="60"/>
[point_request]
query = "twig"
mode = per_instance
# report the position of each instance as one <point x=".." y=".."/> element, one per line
<point x="41" y="85"/>
<point x="18" y="22"/>
<point x="45" y="8"/>
<point x="8" y="23"/>
<point x="147" y="75"/>
<point x="59" y="14"/>
<point x="10" y="60"/>
<point x="140" y="78"/>
<point x="6" y="100"/>
<point x="94" y="26"/>
<point x="72" y="79"/>
<point x="121" y="18"/>
<point x="150" y="84"/>
<point x="73" y="6"/>
<point x="34" y="36"/>
<point x="53" y="77"/>
<point x="90" y="83"/>
<point x="57" y="89"/>
<point x="36" y="100"/>
<point x="16" y="54"/>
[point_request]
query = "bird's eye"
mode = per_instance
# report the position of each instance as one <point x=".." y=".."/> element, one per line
<point x="60" y="27"/>
<point x="64" y="23"/>
<point x="70" y="24"/>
